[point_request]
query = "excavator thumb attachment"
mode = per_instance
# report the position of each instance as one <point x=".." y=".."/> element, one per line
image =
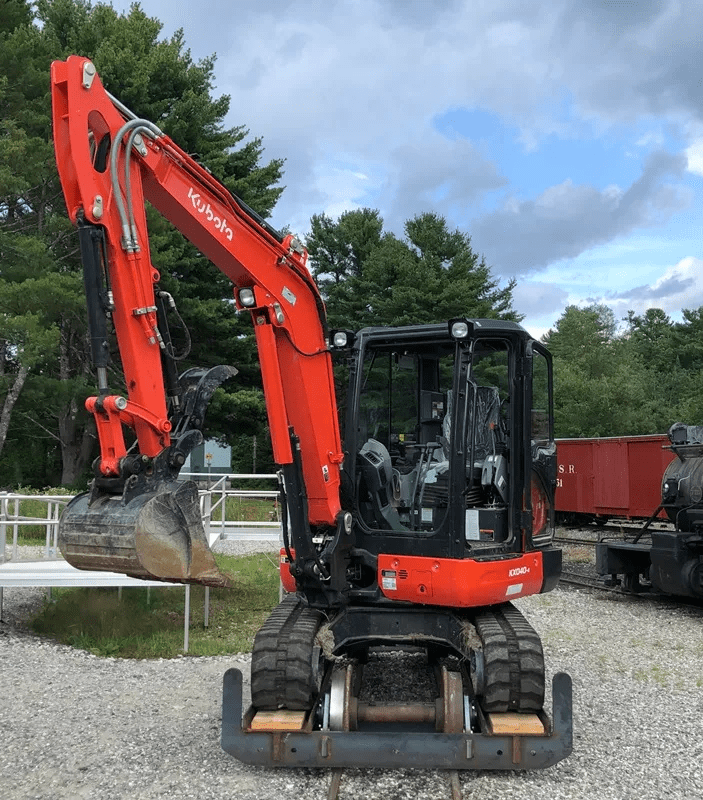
<point x="149" y="531"/>
<point x="145" y="522"/>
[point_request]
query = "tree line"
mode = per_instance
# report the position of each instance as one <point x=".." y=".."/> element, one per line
<point x="46" y="436"/>
<point x="608" y="382"/>
<point x="636" y="378"/>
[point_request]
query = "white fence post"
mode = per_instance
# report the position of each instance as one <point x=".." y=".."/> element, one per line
<point x="3" y="525"/>
<point x="186" y="632"/>
<point x="206" y="512"/>
<point x="15" y="529"/>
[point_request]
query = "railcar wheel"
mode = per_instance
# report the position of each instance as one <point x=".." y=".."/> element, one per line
<point x="451" y="703"/>
<point x="631" y="583"/>
<point x="342" y="703"/>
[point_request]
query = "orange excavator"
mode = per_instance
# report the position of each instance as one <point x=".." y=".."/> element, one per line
<point x="412" y="533"/>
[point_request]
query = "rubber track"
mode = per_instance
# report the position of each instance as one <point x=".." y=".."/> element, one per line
<point x="513" y="661"/>
<point x="282" y="674"/>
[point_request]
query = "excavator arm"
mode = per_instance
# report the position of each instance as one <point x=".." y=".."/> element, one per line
<point x="110" y="163"/>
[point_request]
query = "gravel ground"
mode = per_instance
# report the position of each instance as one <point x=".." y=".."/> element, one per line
<point x="76" y="725"/>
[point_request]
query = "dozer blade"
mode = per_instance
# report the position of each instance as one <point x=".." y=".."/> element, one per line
<point x="156" y="535"/>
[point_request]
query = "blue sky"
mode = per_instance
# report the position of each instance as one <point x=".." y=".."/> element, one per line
<point x="565" y="137"/>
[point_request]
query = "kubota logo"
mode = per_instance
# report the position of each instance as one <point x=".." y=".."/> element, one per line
<point x="204" y="208"/>
<point x="518" y="571"/>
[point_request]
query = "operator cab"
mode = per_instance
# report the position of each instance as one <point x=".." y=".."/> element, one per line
<point x="434" y="423"/>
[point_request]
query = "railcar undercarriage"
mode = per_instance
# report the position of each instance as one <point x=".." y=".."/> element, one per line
<point x="666" y="561"/>
<point x="315" y="681"/>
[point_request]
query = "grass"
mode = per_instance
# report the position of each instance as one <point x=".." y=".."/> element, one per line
<point x="655" y="674"/>
<point x="248" y="509"/>
<point x="149" y="623"/>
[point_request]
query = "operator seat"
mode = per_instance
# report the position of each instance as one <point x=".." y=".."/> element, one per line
<point x="378" y="480"/>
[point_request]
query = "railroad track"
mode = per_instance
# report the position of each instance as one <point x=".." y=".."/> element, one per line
<point x="606" y="533"/>
<point x="575" y="540"/>
<point x="590" y="582"/>
<point x="627" y="535"/>
<point x="338" y="772"/>
<point x="620" y="529"/>
<point x="581" y="581"/>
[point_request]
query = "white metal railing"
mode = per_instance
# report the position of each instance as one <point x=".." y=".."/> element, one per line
<point x="213" y="509"/>
<point x="10" y="517"/>
<point x="213" y="504"/>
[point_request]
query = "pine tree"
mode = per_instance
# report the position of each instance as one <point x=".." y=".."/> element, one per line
<point x="45" y="356"/>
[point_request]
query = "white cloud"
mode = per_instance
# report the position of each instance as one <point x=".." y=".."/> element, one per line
<point x="680" y="286"/>
<point x="675" y="288"/>
<point x="347" y="93"/>
<point x="541" y="304"/>
<point x="694" y="154"/>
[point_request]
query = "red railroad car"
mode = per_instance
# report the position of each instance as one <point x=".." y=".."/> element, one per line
<point x="618" y="476"/>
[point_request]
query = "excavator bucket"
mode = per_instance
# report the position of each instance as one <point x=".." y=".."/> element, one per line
<point x="156" y="535"/>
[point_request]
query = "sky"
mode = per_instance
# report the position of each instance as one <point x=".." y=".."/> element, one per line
<point x="565" y="137"/>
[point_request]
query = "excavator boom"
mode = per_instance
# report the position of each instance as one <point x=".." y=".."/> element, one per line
<point x="138" y="518"/>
